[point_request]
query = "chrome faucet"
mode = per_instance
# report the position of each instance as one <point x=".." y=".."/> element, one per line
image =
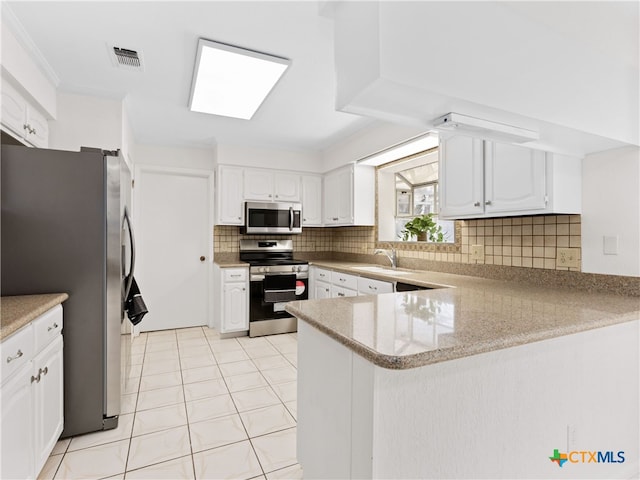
<point x="390" y="253"/>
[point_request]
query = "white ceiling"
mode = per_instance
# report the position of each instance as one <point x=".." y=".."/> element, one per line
<point x="298" y="114"/>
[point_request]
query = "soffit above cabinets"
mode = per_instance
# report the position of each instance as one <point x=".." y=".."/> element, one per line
<point x="500" y="61"/>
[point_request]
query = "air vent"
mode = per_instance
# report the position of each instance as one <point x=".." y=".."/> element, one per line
<point x="126" y="58"/>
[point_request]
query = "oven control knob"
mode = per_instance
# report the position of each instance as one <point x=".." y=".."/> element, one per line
<point x="293" y="269"/>
<point x="267" y="269"/>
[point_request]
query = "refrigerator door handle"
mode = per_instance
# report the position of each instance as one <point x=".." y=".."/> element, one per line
<point x="127" y="219"/>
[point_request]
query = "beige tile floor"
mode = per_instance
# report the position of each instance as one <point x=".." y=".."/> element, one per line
<point x="196" y="407"/>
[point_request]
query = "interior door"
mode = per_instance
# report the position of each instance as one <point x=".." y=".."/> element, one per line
<point x="174" y="235"/>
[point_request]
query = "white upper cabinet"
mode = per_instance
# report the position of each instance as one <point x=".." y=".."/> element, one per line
<point x="349" y="196"/>
<point x="488" y="179"/>
<point x="461" y="177"/>
<point x="230" y="198"/>
<point x="311" y="200"/>
<point x="286" y="187"/>
<point x="258" y="185"/>
<point x="22" y="118"/>
<point x="515" y="178"/>
<point x="264" y="185"/>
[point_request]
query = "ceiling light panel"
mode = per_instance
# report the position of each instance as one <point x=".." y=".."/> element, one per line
<point x="232" y="81"/>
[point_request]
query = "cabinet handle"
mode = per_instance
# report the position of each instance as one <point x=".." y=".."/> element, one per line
<point x="342" y="279"/>
<point x="341" y="294"/>
<point x="270" y="195"/>
<point x="477" y="204"/>
<point x="326" y="290"/>
<point x="488" y="202"/>
<point x="52" y="327"/>
<point x="234" y="276"/>
<point x="239" y="218"/>
<point x="15" y="357"/>
<point x="372" y="287"/>
<point x="335" y="219"/>
<point x="244" y="289"/>
<point x="277" y="196"/>
<point x="36" y="379"/>
<point x="202" y="258"/>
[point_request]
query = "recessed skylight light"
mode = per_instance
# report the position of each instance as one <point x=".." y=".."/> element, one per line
<point x="232" y="81"/>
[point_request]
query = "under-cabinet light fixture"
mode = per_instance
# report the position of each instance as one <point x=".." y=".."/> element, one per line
<point x="404" y="149"/>
<point x="232" y="81"/>
<point x="477" y="127"/>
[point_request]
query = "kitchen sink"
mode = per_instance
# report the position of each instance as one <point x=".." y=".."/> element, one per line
<point x="387" y="271"/>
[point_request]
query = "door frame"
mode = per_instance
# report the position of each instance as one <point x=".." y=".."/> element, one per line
<point x="209" y="175"/>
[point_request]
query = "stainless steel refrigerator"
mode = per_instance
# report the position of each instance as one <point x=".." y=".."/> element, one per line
<point x="65" y="228"/>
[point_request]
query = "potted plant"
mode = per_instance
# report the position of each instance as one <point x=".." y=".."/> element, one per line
<point x="424" y="228"/>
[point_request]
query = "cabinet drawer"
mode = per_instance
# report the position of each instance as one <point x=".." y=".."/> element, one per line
<point x="343" y="292"/>
<point x="344" y="280"/>
<point x="47" y="326"/>
<point x="16" y="351"/>
<point x="234" y="274"/>
<point x="322" y="275"/>
<point x="368" y="286"/>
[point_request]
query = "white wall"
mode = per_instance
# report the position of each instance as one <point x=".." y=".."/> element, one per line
<point x="365" y="142"/>
<point x="175" y="157"/>
<point x="86" y="121"/>
<point x="304" y="161"/>
<point x="611" y="207"/>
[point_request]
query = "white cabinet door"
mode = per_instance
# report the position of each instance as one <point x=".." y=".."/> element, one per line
<point x="331" y="200"/>
<point x="16" y="426"/>
<point x="322" y="290"/>
<point x="286" y="187"/>
<point x="230" y="206"/>
<point x="48" y="400"/>
<point x="515" y="178"/>
<point x="14" y="108"/>
<point x="258" y="185"/>
<point x="235" y="314"/>
<point x="338" y="197"/>
<point x="461" y="179"/>
<point x="38" y="132"/>
<point x="311" y="200"/>
<point x="345" y="196"/>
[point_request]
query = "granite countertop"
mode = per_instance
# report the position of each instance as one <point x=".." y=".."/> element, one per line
<point x="465" y="316"/>
<point x="17" y="311"/>
<point x="226" y="260"/>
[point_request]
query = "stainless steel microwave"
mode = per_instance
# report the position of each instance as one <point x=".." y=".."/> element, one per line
<point x="273" y="217"/>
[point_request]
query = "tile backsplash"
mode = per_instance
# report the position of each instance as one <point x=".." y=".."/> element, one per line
<point x="529" y="242"/>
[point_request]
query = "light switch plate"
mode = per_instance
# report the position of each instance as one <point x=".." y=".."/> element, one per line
<point x="568" y="257"/>
<point x="476" y="252"/>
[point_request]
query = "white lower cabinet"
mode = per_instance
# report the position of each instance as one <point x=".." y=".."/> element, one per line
<point x="369" y="286"/>
<point x="331" y="284"/>
<point x="32" y="395"/>
<point x="231" y="308"/>
<point x="48" y="405"/>
<point x="17" y="425"/>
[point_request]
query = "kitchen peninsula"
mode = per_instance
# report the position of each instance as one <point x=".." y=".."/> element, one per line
<point x="481" y="379"/>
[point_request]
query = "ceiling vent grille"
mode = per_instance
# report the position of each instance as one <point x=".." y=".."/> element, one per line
<point x="126" y="58"/>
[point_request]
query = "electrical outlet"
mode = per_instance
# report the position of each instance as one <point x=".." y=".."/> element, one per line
<point x="476" y="252"/>
<point x="568" y="257"/>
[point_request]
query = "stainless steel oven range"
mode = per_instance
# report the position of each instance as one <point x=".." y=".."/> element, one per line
<point x="276" y="278"/>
